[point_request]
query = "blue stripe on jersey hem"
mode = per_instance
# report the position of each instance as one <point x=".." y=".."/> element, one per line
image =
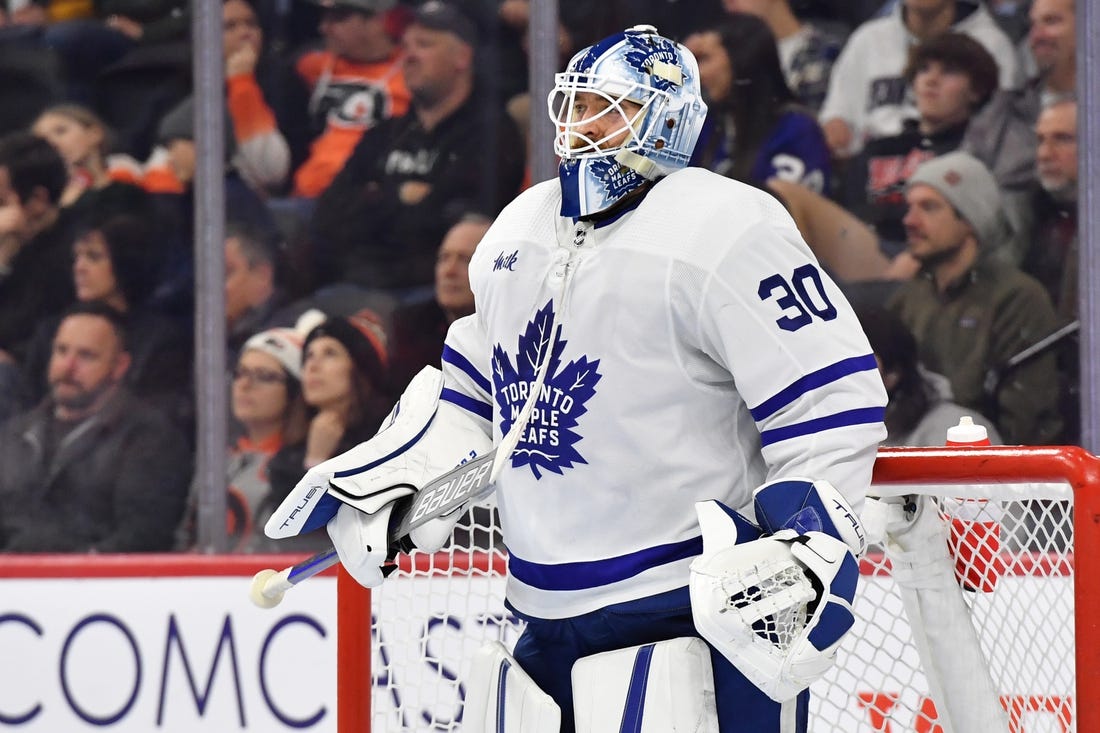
<point x="862" y="416"/>
<point x="482" y="409"/>
<point x="459" y="361"/>
<point x="596" y="573"/>
<point x="383" y="459"/>
<point x="811" y="381"/>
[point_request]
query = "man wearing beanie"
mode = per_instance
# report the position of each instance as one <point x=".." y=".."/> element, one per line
<point x="969" y="310"/>
<point x="378" y="224"/>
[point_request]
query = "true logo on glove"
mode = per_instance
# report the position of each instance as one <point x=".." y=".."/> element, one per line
<point x="301" y="505"/>
<point x="857" y="526"/>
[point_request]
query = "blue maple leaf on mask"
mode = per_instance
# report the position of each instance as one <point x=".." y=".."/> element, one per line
<point x="549" y="440"/>
<point x="644" y="50"/>
<point x="615" y="180"/>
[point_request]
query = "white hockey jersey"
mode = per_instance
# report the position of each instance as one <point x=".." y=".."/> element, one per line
<point x="699" y="351"/>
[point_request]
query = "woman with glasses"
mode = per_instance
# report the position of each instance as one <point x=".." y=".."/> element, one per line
<point x="267" y="404"/>
<point x="345" y="367"/>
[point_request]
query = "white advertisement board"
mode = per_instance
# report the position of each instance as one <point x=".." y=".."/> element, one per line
<point x="191" y="654"/>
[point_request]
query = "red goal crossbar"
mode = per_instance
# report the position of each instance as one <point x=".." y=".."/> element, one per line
<point x="955" y="465"/>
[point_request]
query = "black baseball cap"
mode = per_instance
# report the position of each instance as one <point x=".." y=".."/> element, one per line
<point x="441" y="16"/>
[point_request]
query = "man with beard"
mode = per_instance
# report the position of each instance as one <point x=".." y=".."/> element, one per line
<point x="968" y="309"/>
<point x="1052" y="257"/>
<point x="1052" y="40"/>
<point x="91" y="469"/>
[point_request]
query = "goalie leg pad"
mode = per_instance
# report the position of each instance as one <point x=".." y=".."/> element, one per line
<point x="502" y="698"/>
<point x="777" y="607"/>
<point x="666" y="687"/>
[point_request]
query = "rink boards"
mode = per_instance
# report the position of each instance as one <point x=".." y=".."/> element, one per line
<point x="173" y="644"/>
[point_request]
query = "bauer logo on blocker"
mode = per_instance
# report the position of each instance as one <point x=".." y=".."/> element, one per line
<point x="549" y="440"/>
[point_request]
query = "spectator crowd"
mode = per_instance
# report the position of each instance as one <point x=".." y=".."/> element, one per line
<point x="927" y="150"/>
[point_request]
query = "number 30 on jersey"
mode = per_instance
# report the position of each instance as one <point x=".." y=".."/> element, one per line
<point x="800" y="297"/>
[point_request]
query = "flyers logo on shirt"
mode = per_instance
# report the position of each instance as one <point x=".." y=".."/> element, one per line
<point x="549" y="440"/>
<point x="356" y="104"/>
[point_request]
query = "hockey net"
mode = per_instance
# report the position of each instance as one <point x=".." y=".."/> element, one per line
<point x="1015" y="535"/>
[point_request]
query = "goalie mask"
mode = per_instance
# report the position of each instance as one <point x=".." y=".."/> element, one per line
<point x="626" y="110"/>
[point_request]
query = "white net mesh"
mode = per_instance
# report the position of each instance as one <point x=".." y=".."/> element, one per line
<point x="1020" y="552"/>
<point x="430" y="618"/>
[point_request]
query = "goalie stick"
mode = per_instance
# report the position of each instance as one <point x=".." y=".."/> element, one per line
<point x="468" y="482"/>
<point x="439" y="497"/>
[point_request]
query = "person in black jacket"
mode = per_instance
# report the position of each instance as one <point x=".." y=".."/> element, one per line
<point x="35" y="237"/>
<point x="115" y="262"/>
<point x="952" y="76"/>
<point x="378" y="224"/>
<point x="91" y="468"/>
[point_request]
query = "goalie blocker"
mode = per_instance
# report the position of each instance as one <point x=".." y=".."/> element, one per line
<point x="355" y="493"/>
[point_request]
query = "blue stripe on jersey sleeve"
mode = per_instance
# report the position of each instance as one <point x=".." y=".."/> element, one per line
<point x="810" y="382"/>
<point x="456" y="359"/>
<point x="861" y="416"/>
<point x="482" y="409"/>
<point x="594" y="573"/>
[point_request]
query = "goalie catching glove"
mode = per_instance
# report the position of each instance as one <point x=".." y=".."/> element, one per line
<point x="354" y="493"/>
<point x="776" y="600"/>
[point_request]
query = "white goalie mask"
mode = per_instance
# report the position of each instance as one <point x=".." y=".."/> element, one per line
<point x="645" y="89"/>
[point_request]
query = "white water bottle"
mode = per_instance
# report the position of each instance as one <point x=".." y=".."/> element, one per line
<point x="974" y="539"/>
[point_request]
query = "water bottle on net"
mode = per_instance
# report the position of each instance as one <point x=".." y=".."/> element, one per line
<point x="974" y="537"/>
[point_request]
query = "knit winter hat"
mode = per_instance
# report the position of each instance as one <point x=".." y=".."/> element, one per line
<point x="285" y="344"/>
<point x="362" y="335"/>
<point x="969" y="186"/>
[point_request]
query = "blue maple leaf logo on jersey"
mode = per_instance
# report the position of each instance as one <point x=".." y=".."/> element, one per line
<point x="549" y="440"/>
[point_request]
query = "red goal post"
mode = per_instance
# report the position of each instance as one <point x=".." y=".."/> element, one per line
<point x="468" y="574"/>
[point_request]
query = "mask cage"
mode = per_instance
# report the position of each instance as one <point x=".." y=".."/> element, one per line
<point x="569" y="115"/>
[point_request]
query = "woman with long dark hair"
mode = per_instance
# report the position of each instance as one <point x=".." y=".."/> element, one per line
<point x="116" y="261"/>
<point x="344" y="377"/>
<point x="756" y="129"/>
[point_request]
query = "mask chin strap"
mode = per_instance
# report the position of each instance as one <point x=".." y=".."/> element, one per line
<point x="645" y="167"/>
